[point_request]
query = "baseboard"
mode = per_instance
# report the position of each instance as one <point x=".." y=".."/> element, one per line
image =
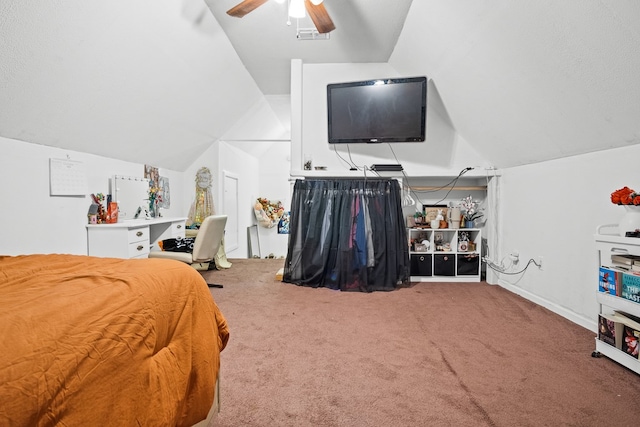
<point x="562" y="311"/>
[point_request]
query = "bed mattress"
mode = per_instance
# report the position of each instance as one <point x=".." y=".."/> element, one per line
<point x="102" y="341"/>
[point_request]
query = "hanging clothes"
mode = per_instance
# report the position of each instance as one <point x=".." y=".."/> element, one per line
<point x="347" y="234"/>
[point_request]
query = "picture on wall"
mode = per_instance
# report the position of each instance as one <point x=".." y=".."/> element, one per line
<point x="152" y="174"/>
<point x="164" y="191"/>
<point x="283" y="224"/>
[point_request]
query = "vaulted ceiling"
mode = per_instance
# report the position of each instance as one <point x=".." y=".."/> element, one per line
<point x="366" y="31"/>
<point x="157" y="81"/>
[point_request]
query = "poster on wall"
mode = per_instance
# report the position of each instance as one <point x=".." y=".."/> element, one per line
<point x="164" y="192"/>
<point x="151" y="173"/>
<point x="283" y="224"/>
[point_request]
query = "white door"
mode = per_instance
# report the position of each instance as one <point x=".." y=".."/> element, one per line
<point x="230" y="208"/>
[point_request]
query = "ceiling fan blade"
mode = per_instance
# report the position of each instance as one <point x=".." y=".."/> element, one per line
<point x="320" y="17"/>
<point x="245" y="7"/>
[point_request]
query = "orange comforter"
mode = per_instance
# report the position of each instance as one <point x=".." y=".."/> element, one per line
<point x="100" y="341"/>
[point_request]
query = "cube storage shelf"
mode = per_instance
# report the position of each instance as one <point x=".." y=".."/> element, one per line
<point x="606" y="245"/>
<point x="447" y="254"/>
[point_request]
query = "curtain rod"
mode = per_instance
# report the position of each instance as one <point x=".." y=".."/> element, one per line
<point x="342" y="178"/>
<point x="467" y="188"/>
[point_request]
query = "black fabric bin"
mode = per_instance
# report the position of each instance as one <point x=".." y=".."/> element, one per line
<point x="421" y="264"/>
<point x="444" y="265"/>
<point x="468" y="265"/>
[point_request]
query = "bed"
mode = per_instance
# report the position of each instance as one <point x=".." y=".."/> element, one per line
<point x="105" y="341"/>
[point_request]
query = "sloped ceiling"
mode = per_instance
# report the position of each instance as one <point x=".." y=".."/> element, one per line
<point x="148" y="81"/>
<point x="366" y="31"/>
<point x="528" y="81"/>
<point x="158" y="81"/>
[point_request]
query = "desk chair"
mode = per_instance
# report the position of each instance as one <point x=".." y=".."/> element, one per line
<point x="205" y="245"/>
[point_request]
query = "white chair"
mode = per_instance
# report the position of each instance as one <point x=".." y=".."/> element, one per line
<point x="205" y="245"/>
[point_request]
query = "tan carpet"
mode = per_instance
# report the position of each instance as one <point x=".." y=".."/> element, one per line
<point x="433" y="354"/>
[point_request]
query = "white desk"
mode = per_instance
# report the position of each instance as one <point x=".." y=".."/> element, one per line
<point x="131" y="238"/>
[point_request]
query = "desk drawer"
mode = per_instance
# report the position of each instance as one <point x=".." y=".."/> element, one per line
<point x="138" y="235"/>
<point x="178" y="229"/>
<point x="139" y="249"/>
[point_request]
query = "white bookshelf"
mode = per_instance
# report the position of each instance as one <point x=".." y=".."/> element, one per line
<point x="447" y="258"/>
<point x="606" y="245"/>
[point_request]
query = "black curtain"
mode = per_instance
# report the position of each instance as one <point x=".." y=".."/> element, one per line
<point x="347" y="234"/>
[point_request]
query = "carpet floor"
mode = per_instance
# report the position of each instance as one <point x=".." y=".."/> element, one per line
<point x="432" y="354"/>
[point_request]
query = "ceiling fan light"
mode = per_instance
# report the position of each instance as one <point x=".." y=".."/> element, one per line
<point x="316" y="2"/>
<point x="297" y="9"/>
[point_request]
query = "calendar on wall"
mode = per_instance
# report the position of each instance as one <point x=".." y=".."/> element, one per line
<point x="67" y="177"/>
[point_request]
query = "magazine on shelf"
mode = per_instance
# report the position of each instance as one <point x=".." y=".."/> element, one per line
<point x="609" y="327"/>
<point x="630" y="336"/>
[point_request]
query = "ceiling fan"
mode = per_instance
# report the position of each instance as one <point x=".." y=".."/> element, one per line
<point x="315" y="8"/>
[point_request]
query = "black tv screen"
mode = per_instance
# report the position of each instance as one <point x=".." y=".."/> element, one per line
<point x="385" y="110"/>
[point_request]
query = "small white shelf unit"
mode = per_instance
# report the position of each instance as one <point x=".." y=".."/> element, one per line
<point x="606" y="245"/>
<point x="447" y="256"/>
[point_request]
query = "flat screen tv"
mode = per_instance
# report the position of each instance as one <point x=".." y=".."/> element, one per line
<point x="373" y="111"/>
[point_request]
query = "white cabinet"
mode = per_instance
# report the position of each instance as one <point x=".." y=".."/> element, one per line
<point x="445" y="254"/>
<point x="607" y="245"/>
<point x="131" y="238"/>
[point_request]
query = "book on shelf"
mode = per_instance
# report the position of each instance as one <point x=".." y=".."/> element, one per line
<point x="631" y="286"/>
<point x="610" y="280"/>
<point x="625" y="262"/>
<point x="609" y="329"/>
<point x="630" y="336"/>
<point x="624" y="259"/>
<point x="629" y="340"/>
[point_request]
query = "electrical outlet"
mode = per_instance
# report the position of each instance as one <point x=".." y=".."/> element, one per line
<point x="539" y="262"/>
<point x="515" y="256"/>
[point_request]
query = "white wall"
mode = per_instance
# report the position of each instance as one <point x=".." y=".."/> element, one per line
<point x="263" y="173"/>
<point x="246" y="168"/>
<point x="443" y="153"/>
<point x="552" y="209"/>
<point x="223" y="158"/>
<point x="548" y="209"/>
<point x="35" y="222"/>
<point x="274" y="184"/>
